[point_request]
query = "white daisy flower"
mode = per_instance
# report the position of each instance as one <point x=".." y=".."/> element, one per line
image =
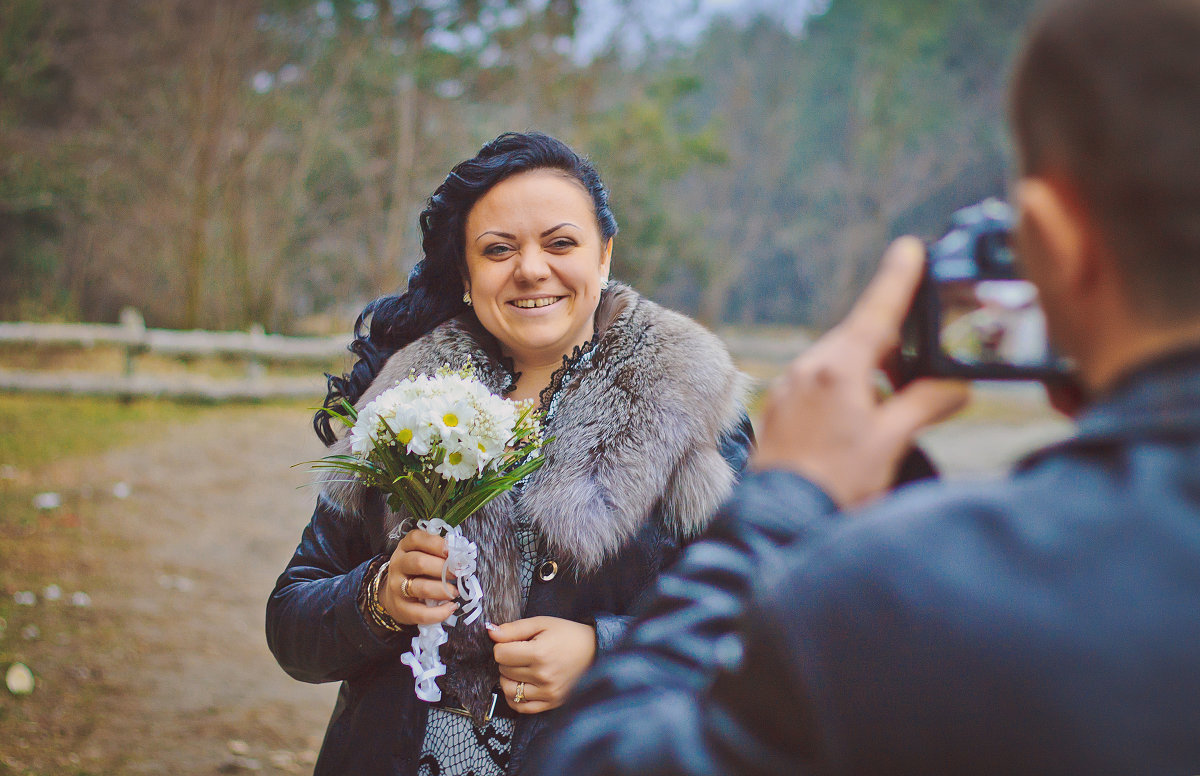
<point x="411" y="428"/>
<point x="459" y="464"/>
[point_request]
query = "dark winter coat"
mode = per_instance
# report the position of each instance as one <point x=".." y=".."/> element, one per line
<point x="649" y="435"/>
<point x="1046" y="623"/>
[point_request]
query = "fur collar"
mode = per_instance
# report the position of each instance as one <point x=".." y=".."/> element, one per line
<point x="635" y="429"/>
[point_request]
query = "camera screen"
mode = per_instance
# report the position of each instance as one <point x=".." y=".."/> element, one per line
<point x="992" y="322"/>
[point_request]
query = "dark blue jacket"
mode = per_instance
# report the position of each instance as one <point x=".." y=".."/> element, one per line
<point x="1048" y="623"/>
<point x="318" y="633"/>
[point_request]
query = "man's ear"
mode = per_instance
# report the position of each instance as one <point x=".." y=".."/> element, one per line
<point x="1053" y="234"/>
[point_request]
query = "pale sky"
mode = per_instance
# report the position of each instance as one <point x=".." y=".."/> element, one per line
<point x="675" y="19"/>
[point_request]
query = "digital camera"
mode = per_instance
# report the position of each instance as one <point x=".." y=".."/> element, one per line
<point x="973" y="315"/>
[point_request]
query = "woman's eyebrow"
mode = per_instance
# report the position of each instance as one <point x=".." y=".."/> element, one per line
<point x="553" y="229"/>
<point x="505" y="235"/>
<point x="508" y="236"/>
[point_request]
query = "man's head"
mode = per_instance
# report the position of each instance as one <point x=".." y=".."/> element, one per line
<point x="1106" y="108"/>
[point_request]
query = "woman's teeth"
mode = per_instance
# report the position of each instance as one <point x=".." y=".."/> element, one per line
<point x="529" y="304"/>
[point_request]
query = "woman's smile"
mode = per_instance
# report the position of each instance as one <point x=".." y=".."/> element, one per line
<point x="536" y="302"/>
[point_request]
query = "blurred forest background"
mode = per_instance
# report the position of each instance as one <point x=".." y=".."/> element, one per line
<point x="220" y="163"/>
<point x="225" y="163"/>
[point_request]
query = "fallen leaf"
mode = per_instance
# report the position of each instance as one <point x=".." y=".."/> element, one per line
<point x="49" y="500"/>
<point x="19" y="679"/>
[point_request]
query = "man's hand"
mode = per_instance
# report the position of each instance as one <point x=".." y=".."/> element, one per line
<point x="825" y="419"/>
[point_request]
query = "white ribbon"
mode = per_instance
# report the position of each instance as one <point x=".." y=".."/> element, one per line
<point x="424" y="658"/>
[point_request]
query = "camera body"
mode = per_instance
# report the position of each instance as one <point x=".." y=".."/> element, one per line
<point x="973" y="316"/>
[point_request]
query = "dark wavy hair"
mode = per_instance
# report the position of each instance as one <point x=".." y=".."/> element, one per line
<point x="435" y="285"/>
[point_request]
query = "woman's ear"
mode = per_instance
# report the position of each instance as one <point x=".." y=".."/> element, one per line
<point x="606" y="259"/>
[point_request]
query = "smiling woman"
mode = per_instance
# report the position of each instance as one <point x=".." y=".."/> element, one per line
<point x="644" y="411"/>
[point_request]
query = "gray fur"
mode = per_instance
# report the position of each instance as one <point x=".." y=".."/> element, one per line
<point x="636" y="429"/>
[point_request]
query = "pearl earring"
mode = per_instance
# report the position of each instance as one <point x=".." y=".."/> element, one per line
<point x="467" y="298"/>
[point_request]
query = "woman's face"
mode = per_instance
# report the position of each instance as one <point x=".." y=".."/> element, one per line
<point x="535" y="262"/>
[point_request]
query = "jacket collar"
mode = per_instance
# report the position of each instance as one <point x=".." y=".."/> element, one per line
<point x="1160" y="398"/>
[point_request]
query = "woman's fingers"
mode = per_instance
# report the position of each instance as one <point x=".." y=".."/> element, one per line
<point x="423" y="541"/>
<point x="415" y="571"/>
<point x="531" y="701"/>
<point x="523" y="674"/>
<point x="553" y="656"/>
<point x="403" y="593"/>
<point x="419" y="588"/>
<point x="416" y="563"/>
<point x="417" y="613"/>
<point x="519" y="630"/>
<point x="517" y="654"/>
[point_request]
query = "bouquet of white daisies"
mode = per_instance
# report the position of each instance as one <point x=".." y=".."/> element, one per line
<point x="440" y="447"/>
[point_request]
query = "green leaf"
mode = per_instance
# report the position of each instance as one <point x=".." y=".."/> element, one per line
<point x="410" y="484"/>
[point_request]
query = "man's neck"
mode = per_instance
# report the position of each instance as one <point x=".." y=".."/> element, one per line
<point x="1118" y="355"/>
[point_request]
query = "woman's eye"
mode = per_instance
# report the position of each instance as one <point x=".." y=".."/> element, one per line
<point x="562" y="243"/>
<point x="499" y="249"/>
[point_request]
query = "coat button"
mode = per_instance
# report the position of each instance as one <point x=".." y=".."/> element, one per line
<point x="548" y="570"/>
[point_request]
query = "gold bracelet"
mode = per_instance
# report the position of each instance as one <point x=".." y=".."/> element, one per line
<point x="378" y="614"/>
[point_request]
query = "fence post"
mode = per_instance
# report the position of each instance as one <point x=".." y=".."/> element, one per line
<point x="134" y="329"/>
<point x="255" y="368"/>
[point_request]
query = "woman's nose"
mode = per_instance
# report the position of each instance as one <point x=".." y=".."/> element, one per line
<point x="532" y="265"/>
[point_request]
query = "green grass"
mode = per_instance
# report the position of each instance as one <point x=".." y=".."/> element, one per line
<point x="36" y="430"/>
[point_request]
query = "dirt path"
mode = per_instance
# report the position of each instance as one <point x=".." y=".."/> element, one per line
<point x="1003" y="423"/>
<point x="213" y="516"/>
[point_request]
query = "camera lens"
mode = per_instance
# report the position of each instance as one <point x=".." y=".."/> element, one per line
<point x="995" y="255"/>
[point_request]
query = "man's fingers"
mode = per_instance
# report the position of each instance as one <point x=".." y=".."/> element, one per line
<point x="880" y="311"/>
<point x="921" y="404"/>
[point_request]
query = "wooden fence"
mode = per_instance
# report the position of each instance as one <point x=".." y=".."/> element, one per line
<point x="256" y="348"/>
<point x="762" y="353"/>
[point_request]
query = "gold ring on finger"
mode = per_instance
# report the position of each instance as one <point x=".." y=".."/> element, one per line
<point x="519" y="695"/>
<point x="406" y="587"/>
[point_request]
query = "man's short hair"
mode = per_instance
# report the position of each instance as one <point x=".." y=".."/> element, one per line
<point x="1106" y="95"/>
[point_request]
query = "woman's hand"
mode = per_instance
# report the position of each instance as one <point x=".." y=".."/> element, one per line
<point x="546" y="654"/>
<point x="415" y="569"/>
